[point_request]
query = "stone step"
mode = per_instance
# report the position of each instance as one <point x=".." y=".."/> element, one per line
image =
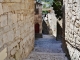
<point x="50" y="50"/>
<point x="46" y="53"/>
<point x="48" y="36"/>
<point x="46" y="56"/>
<point x="37" y="35"/>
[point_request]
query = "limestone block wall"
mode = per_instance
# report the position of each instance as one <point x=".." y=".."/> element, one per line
<point x="72" y="28"/>
<point x="16" y="29"/>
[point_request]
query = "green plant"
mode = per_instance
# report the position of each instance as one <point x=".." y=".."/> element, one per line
<point x="44" y="12"/>
<point x="57" y="5"/>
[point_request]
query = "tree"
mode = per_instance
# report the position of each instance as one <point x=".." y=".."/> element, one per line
<point x="57" y="5"/>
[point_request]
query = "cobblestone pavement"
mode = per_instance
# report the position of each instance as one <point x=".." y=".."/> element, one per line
<point x="47" y="48"/>
<point x="48" y="44"/>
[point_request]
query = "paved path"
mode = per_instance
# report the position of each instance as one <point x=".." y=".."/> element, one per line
<point x="47" y="48"/>
<point x="48" y="44"/>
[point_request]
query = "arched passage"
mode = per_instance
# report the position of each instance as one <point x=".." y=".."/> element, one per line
<point x="36" y="28"/>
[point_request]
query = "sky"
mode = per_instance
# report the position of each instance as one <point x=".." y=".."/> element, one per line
<point x="46" y="3"/>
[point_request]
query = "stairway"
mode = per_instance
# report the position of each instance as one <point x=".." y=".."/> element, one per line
<point x="47" y="48"/>
<point x="46" y="56"/>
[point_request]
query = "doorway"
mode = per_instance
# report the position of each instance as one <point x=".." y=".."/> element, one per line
<point x="36" y="28"/>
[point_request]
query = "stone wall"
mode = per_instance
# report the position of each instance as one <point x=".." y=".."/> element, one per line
<point x="16" y="29"/>
<point x="38" y="16"/>
<point x="72" y="27"/>
<point x="52" y="23"/>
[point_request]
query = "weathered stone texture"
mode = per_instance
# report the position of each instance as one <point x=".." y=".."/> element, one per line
<point x="16" y="28"/>
<point x="72" y="28"/>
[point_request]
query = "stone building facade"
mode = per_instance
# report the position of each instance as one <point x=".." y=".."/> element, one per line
<point x="16" y="29"/>
<point x="72" y="27"/>
<point x="38" y="19"/>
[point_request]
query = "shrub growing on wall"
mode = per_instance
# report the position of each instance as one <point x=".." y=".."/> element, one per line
<point x="44" y="12"/>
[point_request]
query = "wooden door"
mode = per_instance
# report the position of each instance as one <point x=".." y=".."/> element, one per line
<point x="36" y="28"/>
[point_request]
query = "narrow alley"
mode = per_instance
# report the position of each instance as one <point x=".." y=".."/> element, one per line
<point x="47" y="48"/>
<point x="39" y="29"/>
